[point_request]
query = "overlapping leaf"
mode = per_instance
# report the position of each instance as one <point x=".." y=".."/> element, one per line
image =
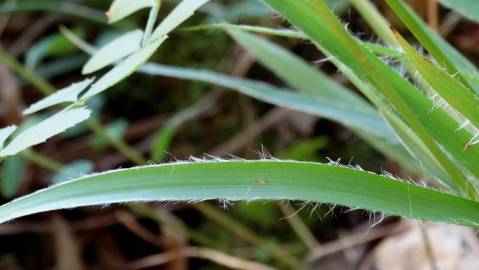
<point x="114" y="51"/>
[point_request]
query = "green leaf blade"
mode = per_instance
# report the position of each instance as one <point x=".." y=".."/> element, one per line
<point x="42" y="131"/>
<point x="451" y="90"/>
<point x="124" y="69"/>
<point x="115" y="50"/>
<point x="67" y="94"/>
<point x="249" y="180"/>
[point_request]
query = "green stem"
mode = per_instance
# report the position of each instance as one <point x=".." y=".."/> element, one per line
<point x="376" y="21"/>
<point x="42" y="160"/>
<point x="38" y="82"/>
<point x="118" y="143"/>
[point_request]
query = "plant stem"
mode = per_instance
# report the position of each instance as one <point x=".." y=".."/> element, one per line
<point x="118" y="143"/>
<point x="376" y="21"/>
<point x="12" y="63"/>
<point x="42" y="160"/>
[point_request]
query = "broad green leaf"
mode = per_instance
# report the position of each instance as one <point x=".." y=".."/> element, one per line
<point x="5" y="133"/>
<point x="451" y="90"/>
<point x="124" y="69"/>
<point x="12" y="171"/>
<point x="120" y="9"/>
<point x="68" y="94"/>
<point x="114" y="51"/>
<point x="443" y="52"/>
<point x="42" y="131"/>
<point x="72" y="170"/>
<point x="181" y="13"/>
<point x="249" y="180"/>
<point x="316" y="20"/>
<point x="468" y="8"/>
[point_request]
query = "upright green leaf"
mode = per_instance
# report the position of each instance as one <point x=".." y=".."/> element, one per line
<point x="443" y="53"/>
<point x="42" y="131"/>
<point x="451" y="90"/>
<point x="316" y="20"/>
<point x="249" y="180"/>
<point x="120" y="9"/>
<point x="114" y="51"/>
<point x="68" y="94"/>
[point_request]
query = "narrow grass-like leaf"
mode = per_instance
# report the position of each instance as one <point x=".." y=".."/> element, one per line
<point x="182" y="12"/>
<point x="42" y="131"/>
<point x="316" y="20"/>
<point x="451" y="90"/>
<point x="328" y="108"/>
<point x="120" y="9"/>
<point x="123" y="69"/>
<point x="296" y="72"/>
<point x="468" y="8"/>
<point x="443" y="53"/>
<point x="288" y="33"/>
<point x="369" y="126"/>
<point x="68" y="94"/>
<point x="5" y="133"/>
<point x="250" y="180"/>
<point x="115" y="50"/>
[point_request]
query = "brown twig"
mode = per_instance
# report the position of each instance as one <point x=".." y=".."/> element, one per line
<point x="354" y="240"/>
<point x="202" y="253"/>
<point x="433" y="14"/>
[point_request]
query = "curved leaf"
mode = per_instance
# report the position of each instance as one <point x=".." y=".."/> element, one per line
<point x="250" y="180"/>
<point x="68" y="94"/>
<point x="123" y="69"/>
<point x="42" y="131"/>
<point x="115" y="50"/>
